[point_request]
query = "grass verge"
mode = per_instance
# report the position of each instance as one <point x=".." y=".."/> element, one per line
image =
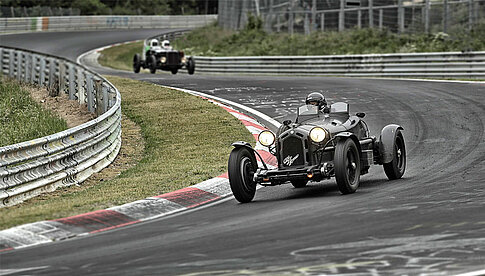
<point x="121" y="56"/>
<point x="187" y="140"/>
<point x="21" y="118"/>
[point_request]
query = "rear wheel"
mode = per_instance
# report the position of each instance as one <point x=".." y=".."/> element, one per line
<point x="152" y="64"/>
<point x="241" y="169"/>
<point x="300" y="183"/>
<point x="136" y="63"/>
<point x="347" y="166"/>
<point x="395" y="169"/>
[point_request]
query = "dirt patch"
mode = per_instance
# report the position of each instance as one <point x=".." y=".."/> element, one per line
<point x="132" y="145"/>
<point x="70" y="110"/>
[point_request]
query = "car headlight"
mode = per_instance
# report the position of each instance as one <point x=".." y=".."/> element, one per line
<point x="163" y="59"/>
<point x="266" y="138"/>
<point x="317" y="134"/>
<point x="184" y="60"/>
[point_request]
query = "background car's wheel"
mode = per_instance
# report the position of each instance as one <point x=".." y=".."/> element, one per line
<point x="174" y="71"/>
<point x="190" y="66"/>
<point x="242" y="166"/>
<point x="152" y="63"/>
<point x="300" y="183"/>
<point x="136" y="63"/>
<point x="347" y="166"/>
<point x="395" y="169"/>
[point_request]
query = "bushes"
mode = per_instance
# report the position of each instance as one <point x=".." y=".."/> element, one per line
<point x="254" y="41"/>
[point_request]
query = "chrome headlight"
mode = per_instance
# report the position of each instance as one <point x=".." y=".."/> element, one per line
<point x="184" y="60"/>
<point x="318" y="134"/>
<point x="266" y="138"/>
<point x="163" y="59"/>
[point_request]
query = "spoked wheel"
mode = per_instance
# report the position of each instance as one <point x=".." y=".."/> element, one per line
<point x="300" y="183"/>
<point x="242" y="167"/>
<point x="395" y="169"/>
<point x="136" y="63"/>
<point x="152" y="63"/>
<point x="347" y="166"/>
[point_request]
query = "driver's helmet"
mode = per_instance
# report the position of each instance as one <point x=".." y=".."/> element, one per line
<point x="165" y="44"/>
<point x="153" y="43"/>
<point x="316" y="99"/>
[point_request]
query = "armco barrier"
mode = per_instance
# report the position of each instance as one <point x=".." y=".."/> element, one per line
<point x="68" y="157"/>
<point x="69" y="23"/>
<point x="437" y="65"/>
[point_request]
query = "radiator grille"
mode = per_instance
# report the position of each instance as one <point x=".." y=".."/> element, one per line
<point x="173" y="58"/>
<point x="292" y="153"/>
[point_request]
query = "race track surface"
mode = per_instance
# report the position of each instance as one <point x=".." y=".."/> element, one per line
<point x="431" y="221"/>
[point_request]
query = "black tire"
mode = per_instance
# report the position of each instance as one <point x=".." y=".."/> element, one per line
<point x="152" y="64"/>
<point x="300" y="183"/>
<point x="190" y="66"/>
<point x="174" y="71"/>
<point x="136" y="63"/>
<point x="395" y="169"/>
<point x="347" y="166"/>
<point x="241" y="168"/>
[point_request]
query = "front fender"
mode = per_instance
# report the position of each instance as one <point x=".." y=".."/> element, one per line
<point x="386" y="142"/>
<point x="350" y="135"/>
<point x="240" y="144"/>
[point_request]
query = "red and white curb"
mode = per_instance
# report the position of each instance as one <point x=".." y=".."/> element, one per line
<point x="141" y="210"/>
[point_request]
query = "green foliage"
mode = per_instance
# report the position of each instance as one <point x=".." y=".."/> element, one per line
<point x="21" y="118"/>
<point x="254" y="41"/>
<point x="91" y="7"/>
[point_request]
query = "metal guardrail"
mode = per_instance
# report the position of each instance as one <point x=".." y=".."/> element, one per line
<point x="63" y="23"/>
<point x="437" y="65"/>
<point x="30" y="168"/>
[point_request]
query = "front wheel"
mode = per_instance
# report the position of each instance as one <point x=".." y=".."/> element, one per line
<point x="241" y="169"/>
<point x="136" y="63"/>
<point x="152" y="63"/>
<point x="347" y="166"/>
<point x="395" y="169"/>
<point x="190" y="66"/>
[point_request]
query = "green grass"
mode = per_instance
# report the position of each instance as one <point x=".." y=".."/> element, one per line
<point x="120" y="57"/>
<point x="187" y="140"/>
<point x="21" y="118"/>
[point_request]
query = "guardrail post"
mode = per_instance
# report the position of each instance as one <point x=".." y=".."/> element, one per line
<point x="42" y="71"/>
<point x="11" y="60"/>
<point x="62" y="76"/>
<point x="290" y="18"/>
<point x="52" y="82"/>
<point x="28" y="64"/>
<point x="72" y="82"/>
<point x="90" y="92"/>
<point x="99" y="98"/>
<point x="33" y="72"/>
<point x="19" y="65"/>
<point x="80" y="87"/>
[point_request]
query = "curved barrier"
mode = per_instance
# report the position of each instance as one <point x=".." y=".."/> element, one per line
<point x="437" y="65"/>
<point x="69" y="23"/>
<point x="68" y="157"/>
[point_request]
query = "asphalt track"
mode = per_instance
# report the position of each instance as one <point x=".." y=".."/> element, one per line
<point x="430" y="222"/>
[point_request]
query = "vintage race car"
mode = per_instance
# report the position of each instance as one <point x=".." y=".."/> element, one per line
<point x="161" y="56"/>
<point x="323" y="142"/>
